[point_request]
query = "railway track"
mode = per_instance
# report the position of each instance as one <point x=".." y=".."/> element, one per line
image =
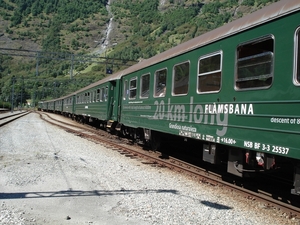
<point x="5" y="119"/>
<point x="155" y="159"/>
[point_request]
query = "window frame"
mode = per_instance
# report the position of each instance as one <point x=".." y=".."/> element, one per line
<point x="102" y="94"/>
<point x="173" y="78"/>
<point x="91" y="96"/>
<point x="98" y="94"/>
<point x="158" y="94"/>
<point x="296" y="76"/>
<point x="133" y="88"/>
<point x="85" y="97"/>
<point x="88" y="97"/>
<point x="106" y="94"/>
<point x="253" y="56"/>
<point x="94" y="95"/>
<point x="125" y="89"/>
<point x="141" y="85"/>
<point x="212" y="72"/>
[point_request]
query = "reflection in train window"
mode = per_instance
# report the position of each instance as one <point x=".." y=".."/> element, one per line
<point x="98" y="95"/>
<point x="125" y="90"/>
<point x="255" y="64"/>
<point x="181" y="76"/>
<point x="145" y="85"/>
<point x="160" y="83"/>
<point x="106" y="94"/>
<point x="132" y="88"/>
<point x="209" y="73"/>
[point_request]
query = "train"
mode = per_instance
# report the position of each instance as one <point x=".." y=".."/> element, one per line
<point x="234" y="90"/>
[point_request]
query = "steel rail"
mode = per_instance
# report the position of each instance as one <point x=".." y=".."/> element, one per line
<point x="180" y="166"/>
<point x="10" y="118"/>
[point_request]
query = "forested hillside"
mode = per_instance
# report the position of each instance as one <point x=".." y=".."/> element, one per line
<point x="138" y="29"/>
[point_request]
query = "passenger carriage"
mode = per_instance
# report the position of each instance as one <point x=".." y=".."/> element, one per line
<point x="48" y="105"/>
<point x="68" y="108"/>
<point x="98" y="102"/>
<point x="40" y="106"/>
<point x="235" y="89"/>
<point x="58" y="105"/>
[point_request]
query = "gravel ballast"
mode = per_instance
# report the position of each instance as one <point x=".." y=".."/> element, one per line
<point x="49" y="176"/>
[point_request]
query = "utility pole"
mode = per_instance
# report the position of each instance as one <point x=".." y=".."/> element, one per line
<point x="12" y="94"/>
<point x="22" y="93"/>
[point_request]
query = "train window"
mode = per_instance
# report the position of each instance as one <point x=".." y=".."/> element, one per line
<point x="102" y="94"/>
<point x="181" y="76"/>
<point x="125" y="90"/>
<point x="255" y="64"/>
<point x="132" y="88"/>
<point x="106" y="94"/>
<point x="209" y="73"/>
<point x="98" y="95"/>
<point x="297" y="58"/>
<point x="145" y="85"/>
<point x="160" y="83"/>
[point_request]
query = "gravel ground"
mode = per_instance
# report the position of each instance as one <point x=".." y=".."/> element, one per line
<point x="49" y="176"/>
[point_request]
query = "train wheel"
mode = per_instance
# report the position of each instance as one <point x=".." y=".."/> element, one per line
<point x="155" y="141"/>
<point x="123" y="131"/>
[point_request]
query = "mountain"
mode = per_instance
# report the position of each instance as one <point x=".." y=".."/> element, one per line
<point x="45" y="42"/>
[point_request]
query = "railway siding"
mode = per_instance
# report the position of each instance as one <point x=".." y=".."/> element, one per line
<point x="49" y="176"/>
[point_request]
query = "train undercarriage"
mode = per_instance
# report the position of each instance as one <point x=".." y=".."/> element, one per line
<point x="239" y="162"/>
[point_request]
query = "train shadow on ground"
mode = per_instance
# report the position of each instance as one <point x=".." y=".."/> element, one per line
<point x="80" y="193"/>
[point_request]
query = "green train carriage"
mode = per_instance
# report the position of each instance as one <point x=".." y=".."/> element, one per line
<point x="49" y="105"/>
<point x="97" y="103"/>
<point x="58" y="105"/>
<point x="40" y="106"/>
<point x="68" y="108"/>
<point x="235" y="88"/>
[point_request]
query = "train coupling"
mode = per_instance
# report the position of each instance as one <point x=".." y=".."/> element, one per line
<point x="110" y="125"/>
